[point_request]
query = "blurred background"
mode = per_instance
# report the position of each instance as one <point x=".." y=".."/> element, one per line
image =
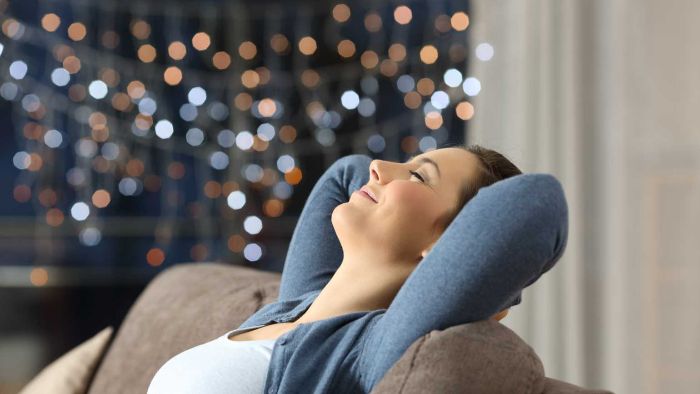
<point x="139" y="135"/>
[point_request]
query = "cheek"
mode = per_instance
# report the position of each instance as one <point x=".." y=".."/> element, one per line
<point x="411" y="193"/>
<point x="413" y="202"/>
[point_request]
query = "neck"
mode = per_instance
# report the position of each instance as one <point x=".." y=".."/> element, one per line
<point x="357" y="287"/>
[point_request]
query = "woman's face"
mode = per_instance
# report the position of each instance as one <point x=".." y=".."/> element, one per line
<point x="409" y="214"/>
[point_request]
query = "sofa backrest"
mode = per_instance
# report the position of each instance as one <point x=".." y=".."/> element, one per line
<point x="184" y="306"/>
<point x="190" y="304"/>
<point x="479" y="357"/>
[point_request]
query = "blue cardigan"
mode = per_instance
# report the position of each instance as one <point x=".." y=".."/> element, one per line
<point x="500" y="242"/>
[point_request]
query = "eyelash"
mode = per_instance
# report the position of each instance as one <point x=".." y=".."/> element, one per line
<point x="417" y="175"/>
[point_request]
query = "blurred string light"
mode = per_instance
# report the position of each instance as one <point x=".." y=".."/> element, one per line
<point x="124" y="102"/>
<point x="484" y="51"/>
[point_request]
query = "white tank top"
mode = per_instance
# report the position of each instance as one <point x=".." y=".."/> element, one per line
<point x="218" y="366"/>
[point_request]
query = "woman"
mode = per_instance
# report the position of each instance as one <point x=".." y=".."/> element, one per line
<point x="384" y="253"/>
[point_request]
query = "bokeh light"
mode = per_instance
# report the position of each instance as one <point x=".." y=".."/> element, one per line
<point x="310" y="78"/>
<point x="403" y="15"/>
<point x="53" y="138"/>
<point x="98" y="89"/>
<point x="90" y="236"/>
<point x="226" y="138"/>
<point x="50" y="22"/>
<point x="452" y="77"/>
<point x="236" y="243"/>
<point x="236" y="199"/>
<point x="425" y="86"/>
<point x="38" y="276"/>
<point x="77" y="31"/>
<point x="412" y="100"/>
<point x="373" y="22"/>
<point x="80" y="211"/>
<point x="252" y="252"/>
<point x="397" y="52"/>
<point x="18" y="69"/>
<point x="346" y="48"/>
<point x="307" y="45"/>
<point x="405" y="83"/>
<point x="54" y="217"/>
<point x="201" y="41"/>
<point x="471" y="86"/>
<point x="146" y="53"/>
<point x="218" y="160"/>
<point x="250" y="79"/>
<point x="172" y="75"/>
<point x="369" y="59"/>
<point x="201" y="95"/>
<point x="350" y="99"/>
<point x="136" y="89"/>
<point x="341" y="12"/>
<point x="433" y="120"/>
<point x="177" y="50"/>
<point x="252" y="225"/>
<point x="484" y="51"/>
<point x="197" y="96"/>
<point x="221" y="60"/>
<point x="194" y="136"/>
<point x="428" y="54"/>
<point x="459" y="21"/>
<point x="247" y="50"/>
<point x="140" y="29"/>
<point x="267" y="107"/>
<point x="440" y="99"/>
<point x="164" y="129"/>
<point x="101" y="198"/>
<point x="279" y="43"/>
<point x="464" y="110"/>
<point x="72" y="64"/>
<point x="155" y="257"/>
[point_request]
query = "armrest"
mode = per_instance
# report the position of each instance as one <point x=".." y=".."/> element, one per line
<point x="479" y="357"/>
<point x="183" y="306"/>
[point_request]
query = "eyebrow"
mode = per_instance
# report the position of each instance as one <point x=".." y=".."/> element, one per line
<point x="429" y="161"/>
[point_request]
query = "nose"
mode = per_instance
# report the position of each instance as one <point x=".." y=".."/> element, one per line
<point x="373" y="172"/>
<point x="380" y="171"/>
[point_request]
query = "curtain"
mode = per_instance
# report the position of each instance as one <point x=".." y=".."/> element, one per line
<point x="604" y="95"/>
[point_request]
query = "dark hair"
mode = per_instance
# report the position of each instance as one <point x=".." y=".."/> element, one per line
<point x="494" y="167"/>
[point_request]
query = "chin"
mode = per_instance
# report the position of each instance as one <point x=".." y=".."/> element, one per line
<point x="339" y="218"/>
<point x="349" y="223"/>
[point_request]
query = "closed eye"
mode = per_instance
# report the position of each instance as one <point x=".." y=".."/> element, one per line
<point x="417" y="175"/>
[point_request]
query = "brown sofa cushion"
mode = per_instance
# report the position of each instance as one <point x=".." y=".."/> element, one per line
<point x="479" y="357"/>
<point x="189" y="304"/>
<point x="71" y="373"/>
<point x="184" y="306"/>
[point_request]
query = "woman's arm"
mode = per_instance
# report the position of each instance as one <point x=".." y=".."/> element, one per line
<point x="314" y="252"/>
<point x="500" y="242"/>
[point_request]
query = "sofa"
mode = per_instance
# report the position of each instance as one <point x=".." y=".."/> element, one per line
<point x="191" y="303"/>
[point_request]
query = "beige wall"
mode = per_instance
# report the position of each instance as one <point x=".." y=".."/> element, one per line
<point x="605" y="95"/>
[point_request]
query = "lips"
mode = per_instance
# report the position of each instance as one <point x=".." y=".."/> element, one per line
<point x="369" y="193"/>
